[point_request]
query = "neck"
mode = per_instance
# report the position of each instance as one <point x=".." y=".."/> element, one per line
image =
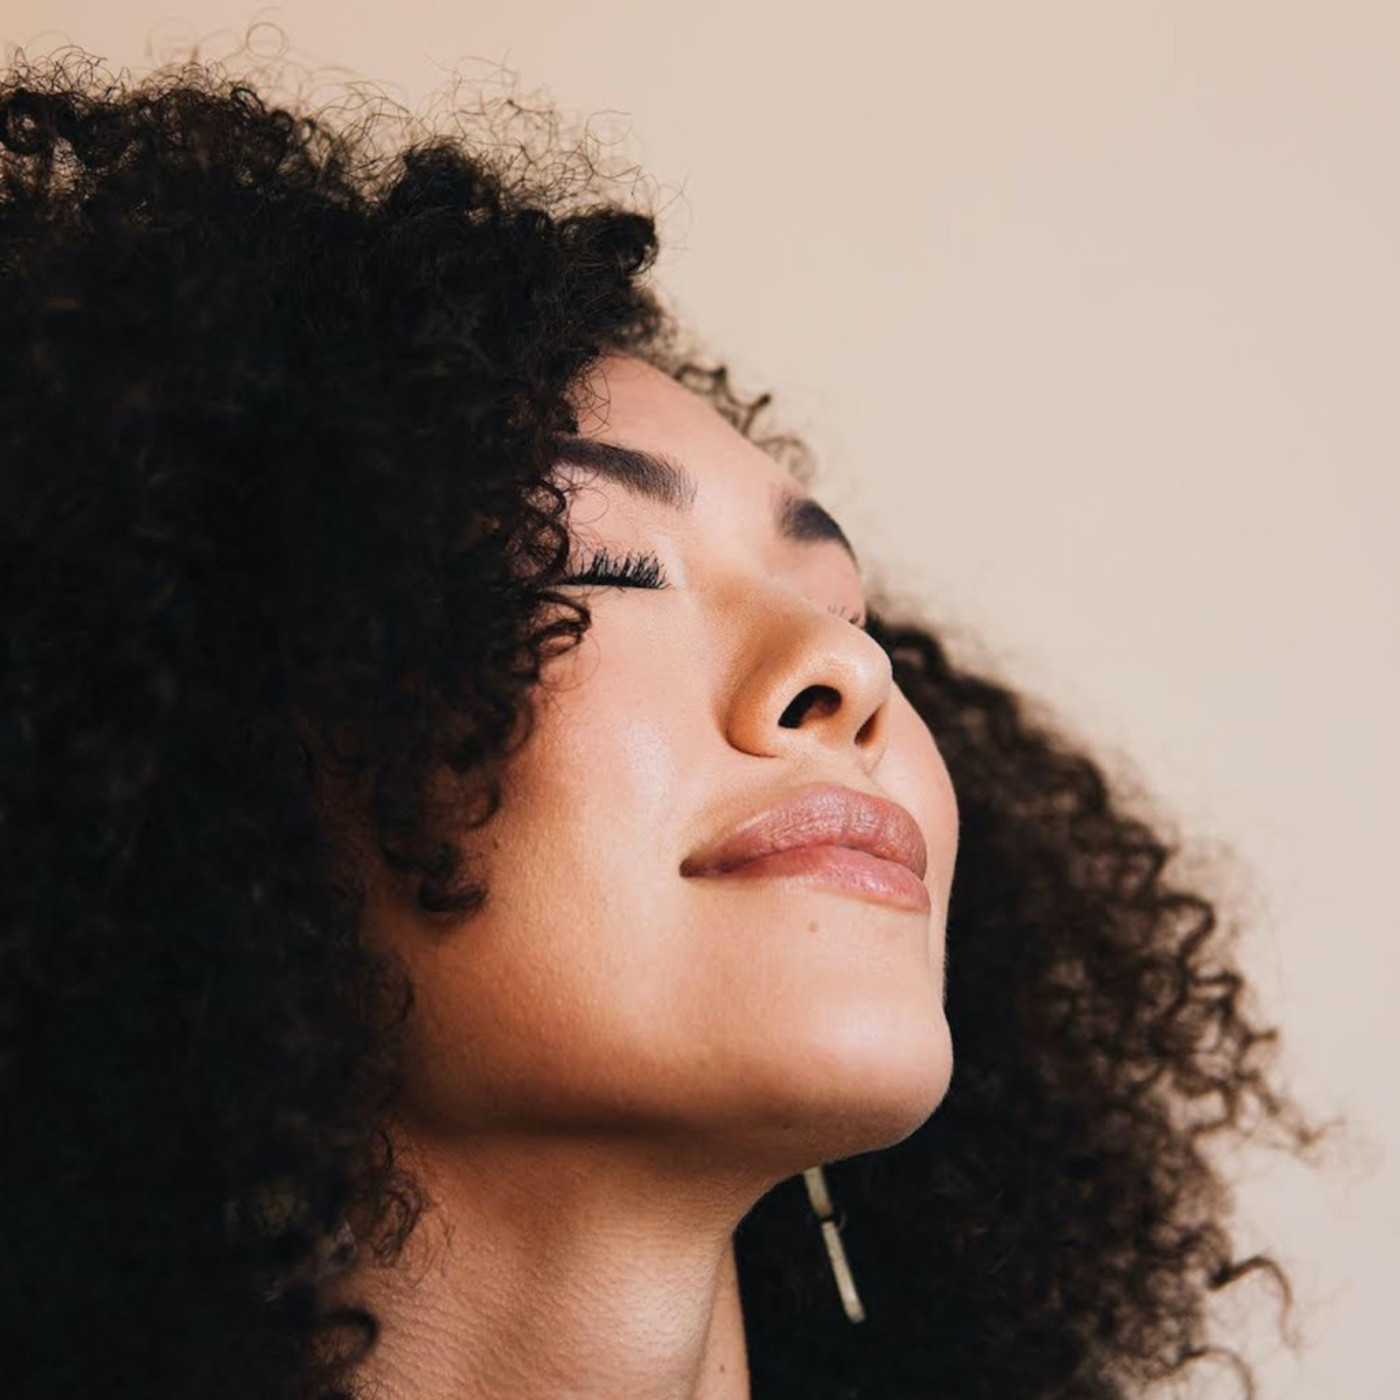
<point x="550" y="1269"/>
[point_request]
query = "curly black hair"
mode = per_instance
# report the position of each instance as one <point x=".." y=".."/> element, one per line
<point x="277" y="417"/>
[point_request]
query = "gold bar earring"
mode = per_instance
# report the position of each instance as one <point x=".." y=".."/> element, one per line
<point x="820" y="1198"/>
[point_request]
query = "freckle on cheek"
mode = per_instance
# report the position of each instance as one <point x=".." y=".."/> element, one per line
<point x="812" y="927"/>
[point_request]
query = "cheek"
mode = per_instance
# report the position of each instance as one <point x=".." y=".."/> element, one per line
<point x="552" y="1003"/>
<point x="919" y="779"/>
<point x="613" y="704"/>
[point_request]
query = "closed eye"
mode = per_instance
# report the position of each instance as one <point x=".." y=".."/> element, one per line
<point x="643" y="570"/>
<point x="863" y="624"/>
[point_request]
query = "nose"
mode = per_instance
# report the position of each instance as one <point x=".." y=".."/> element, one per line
<point x="812" y="680"/>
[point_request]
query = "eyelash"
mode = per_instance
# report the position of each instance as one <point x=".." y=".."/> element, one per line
<point x="633" y="570"/>
<point x="643" y="570"/>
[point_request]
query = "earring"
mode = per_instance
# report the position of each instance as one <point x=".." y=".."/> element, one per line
<point x="820" y="1198"/>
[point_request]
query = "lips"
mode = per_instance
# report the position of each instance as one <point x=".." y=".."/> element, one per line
<point x="825" y="815"/>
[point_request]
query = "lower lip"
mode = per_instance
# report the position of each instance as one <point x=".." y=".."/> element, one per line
<point x="841" y="869"/>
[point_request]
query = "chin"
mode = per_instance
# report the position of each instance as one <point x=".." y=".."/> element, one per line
<point x="859" y="1086"/>
<point x="891" y="1095"/>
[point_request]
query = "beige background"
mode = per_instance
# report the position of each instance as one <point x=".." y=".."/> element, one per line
<point x="1092" y="312"/>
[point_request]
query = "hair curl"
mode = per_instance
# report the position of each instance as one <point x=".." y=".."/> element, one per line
<point x="276" y="418"/>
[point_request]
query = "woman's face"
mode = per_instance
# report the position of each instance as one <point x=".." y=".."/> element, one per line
<point x="603" y="991"/>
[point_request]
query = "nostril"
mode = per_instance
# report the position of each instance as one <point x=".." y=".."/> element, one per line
<point x="866" y="733"/>
<point x="814" y="695"/>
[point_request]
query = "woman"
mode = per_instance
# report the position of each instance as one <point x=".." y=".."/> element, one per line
<point x="477" y="866"/>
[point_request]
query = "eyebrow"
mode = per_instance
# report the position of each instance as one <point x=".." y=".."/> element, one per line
<point x="660" y="478"/>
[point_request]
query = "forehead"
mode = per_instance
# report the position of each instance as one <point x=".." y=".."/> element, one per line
<point x="638" y="427"/>
<point x="628" y="401"/>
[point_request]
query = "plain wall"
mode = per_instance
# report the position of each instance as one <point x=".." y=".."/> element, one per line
<point x="1090" y="313"/>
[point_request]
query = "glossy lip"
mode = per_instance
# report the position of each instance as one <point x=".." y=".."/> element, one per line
<point x="826" y="824"/>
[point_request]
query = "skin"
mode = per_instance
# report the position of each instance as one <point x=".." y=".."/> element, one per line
<point x="611" y="1062"/>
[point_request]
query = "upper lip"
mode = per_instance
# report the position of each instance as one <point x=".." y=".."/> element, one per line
<point x="824" y="815"/>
